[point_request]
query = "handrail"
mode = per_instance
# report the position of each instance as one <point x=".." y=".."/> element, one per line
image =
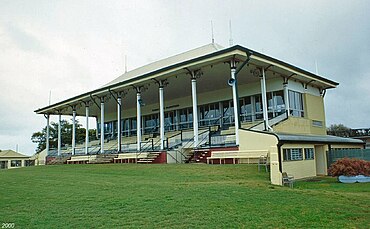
<point x="192" y="139"/>
<point x="212" y="122"/>
<point x="200" y="142"/>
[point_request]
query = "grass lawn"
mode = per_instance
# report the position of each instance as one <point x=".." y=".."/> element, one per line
<point x="183" y="196"/>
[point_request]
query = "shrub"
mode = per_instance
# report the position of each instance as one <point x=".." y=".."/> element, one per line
<point x="350" y="167"/>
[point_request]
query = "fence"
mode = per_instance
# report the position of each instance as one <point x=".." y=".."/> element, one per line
<point x="334" y="155"/>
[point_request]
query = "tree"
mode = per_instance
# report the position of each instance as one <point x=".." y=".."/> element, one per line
<point x="66" y="134"/>
<point x="339" y="130"/>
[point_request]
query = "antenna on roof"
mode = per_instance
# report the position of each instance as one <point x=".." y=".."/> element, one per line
<point x="317" y="69"/>
<point x="124" y="56"/>
<point x="231" y="35"/>
<point x="213" y="37"/>
<point x="16" y="148"/>
<point x="49" y="97"/>
<point x="125" y="63"/>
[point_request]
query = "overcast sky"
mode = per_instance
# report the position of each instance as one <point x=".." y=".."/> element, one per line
<point x="70" y="47"/>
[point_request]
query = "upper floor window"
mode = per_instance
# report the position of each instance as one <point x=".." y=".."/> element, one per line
<point x="317" y="123"/>
<point x="275" y="103"/>
<point x="296" y="104"/>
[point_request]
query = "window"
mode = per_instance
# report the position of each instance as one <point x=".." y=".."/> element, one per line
<point x="126" y="127"/>
<point x="316" y="123"/>
<point x="309" y="154"/>
<point x="15" y="163"/>
<point x="279" y="103"/>
<point x="3" y="164"/>
<point x="151" y="123"/>
<point x="209" y="114"/>
<point x="258" y="107"/>
<point x="296" y="104"/>
<point x="170" y="120"/>
<point x="29" y="163"/>
<point x="185" y="118"/>
<point x="227" y="112"/>
<point x="294" y="154"/>
<point x="246" y="109"/>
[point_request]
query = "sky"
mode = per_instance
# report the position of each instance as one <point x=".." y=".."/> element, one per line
<point x="71" y="47"/>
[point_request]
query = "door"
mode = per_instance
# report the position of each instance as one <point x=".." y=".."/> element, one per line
<point x="320" y="159"/>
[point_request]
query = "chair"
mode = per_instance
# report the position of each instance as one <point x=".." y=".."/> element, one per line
<point x="288" y="179"/>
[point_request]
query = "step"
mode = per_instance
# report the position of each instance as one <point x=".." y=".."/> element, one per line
<point x="145" y="161"/>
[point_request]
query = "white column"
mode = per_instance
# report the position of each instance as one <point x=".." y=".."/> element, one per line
<point x="195" y="110"/>
<point x="161" y="116"/>
<point x="87" y="130"/>
<point x="235" y="104"/>
<point x="47" y="134"/>
<point x="119" y="138"/>
<point x="138" y="120"/>
<point x="73" y="132"/>
<point x="286" y="98"/>
<point x="59" y="135"/>
<point x="102" y="126"/>
<point x="264" y="100"/>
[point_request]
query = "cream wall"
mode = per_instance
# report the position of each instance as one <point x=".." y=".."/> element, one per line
<point x="314" y="110"/>
<point x="253" y="141"/>
<point x="40" y="158"/>
<point x="298" y="86"/>
<point x="299" y="169"/>
<point x="12" y="159"/>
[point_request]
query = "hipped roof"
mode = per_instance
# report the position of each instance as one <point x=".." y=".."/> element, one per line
<point x="202" y="55"/>
<point x="11" y="154"/>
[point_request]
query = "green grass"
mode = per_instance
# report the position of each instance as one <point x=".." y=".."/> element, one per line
<point x="183" y="196"/>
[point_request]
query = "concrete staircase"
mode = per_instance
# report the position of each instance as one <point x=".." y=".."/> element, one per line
<point x="103" y="159"/>
<point x="151" y="157"/>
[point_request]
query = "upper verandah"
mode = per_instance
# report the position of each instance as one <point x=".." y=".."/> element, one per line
<point x="194" y="59"/>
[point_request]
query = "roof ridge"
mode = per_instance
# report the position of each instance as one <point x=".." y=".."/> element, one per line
<point x="180" y="57"/>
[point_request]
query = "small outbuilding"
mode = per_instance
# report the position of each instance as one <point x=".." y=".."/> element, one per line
<point x="10" y="159"/>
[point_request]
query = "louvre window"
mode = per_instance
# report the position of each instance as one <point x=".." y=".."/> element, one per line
<point x="309" y="154"/>
<point x="294" y="154"/>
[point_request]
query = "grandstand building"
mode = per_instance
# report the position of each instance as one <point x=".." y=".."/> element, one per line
<point x="210" y="104"/>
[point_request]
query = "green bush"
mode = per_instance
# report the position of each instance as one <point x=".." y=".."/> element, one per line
<point x="350" y="167"/>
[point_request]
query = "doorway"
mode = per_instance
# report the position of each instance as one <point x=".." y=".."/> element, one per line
<point x="320" y="159"/>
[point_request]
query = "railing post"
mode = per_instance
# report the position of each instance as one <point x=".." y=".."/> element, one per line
<point x="181" y="135"/>
<point x="209" y="137"/>
<point x="152" y="145"/>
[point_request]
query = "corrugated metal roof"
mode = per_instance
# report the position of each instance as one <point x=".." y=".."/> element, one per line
<point x="317" y="138"/>
<point x="191" y="54"/>
<point x="202" y="53"/>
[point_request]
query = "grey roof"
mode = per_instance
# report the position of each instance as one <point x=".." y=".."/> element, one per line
<point x="185" y="56"/>
<point x="11" y="154"/>
<point x="169" y="64"/>
<point x="317" y="138"/>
